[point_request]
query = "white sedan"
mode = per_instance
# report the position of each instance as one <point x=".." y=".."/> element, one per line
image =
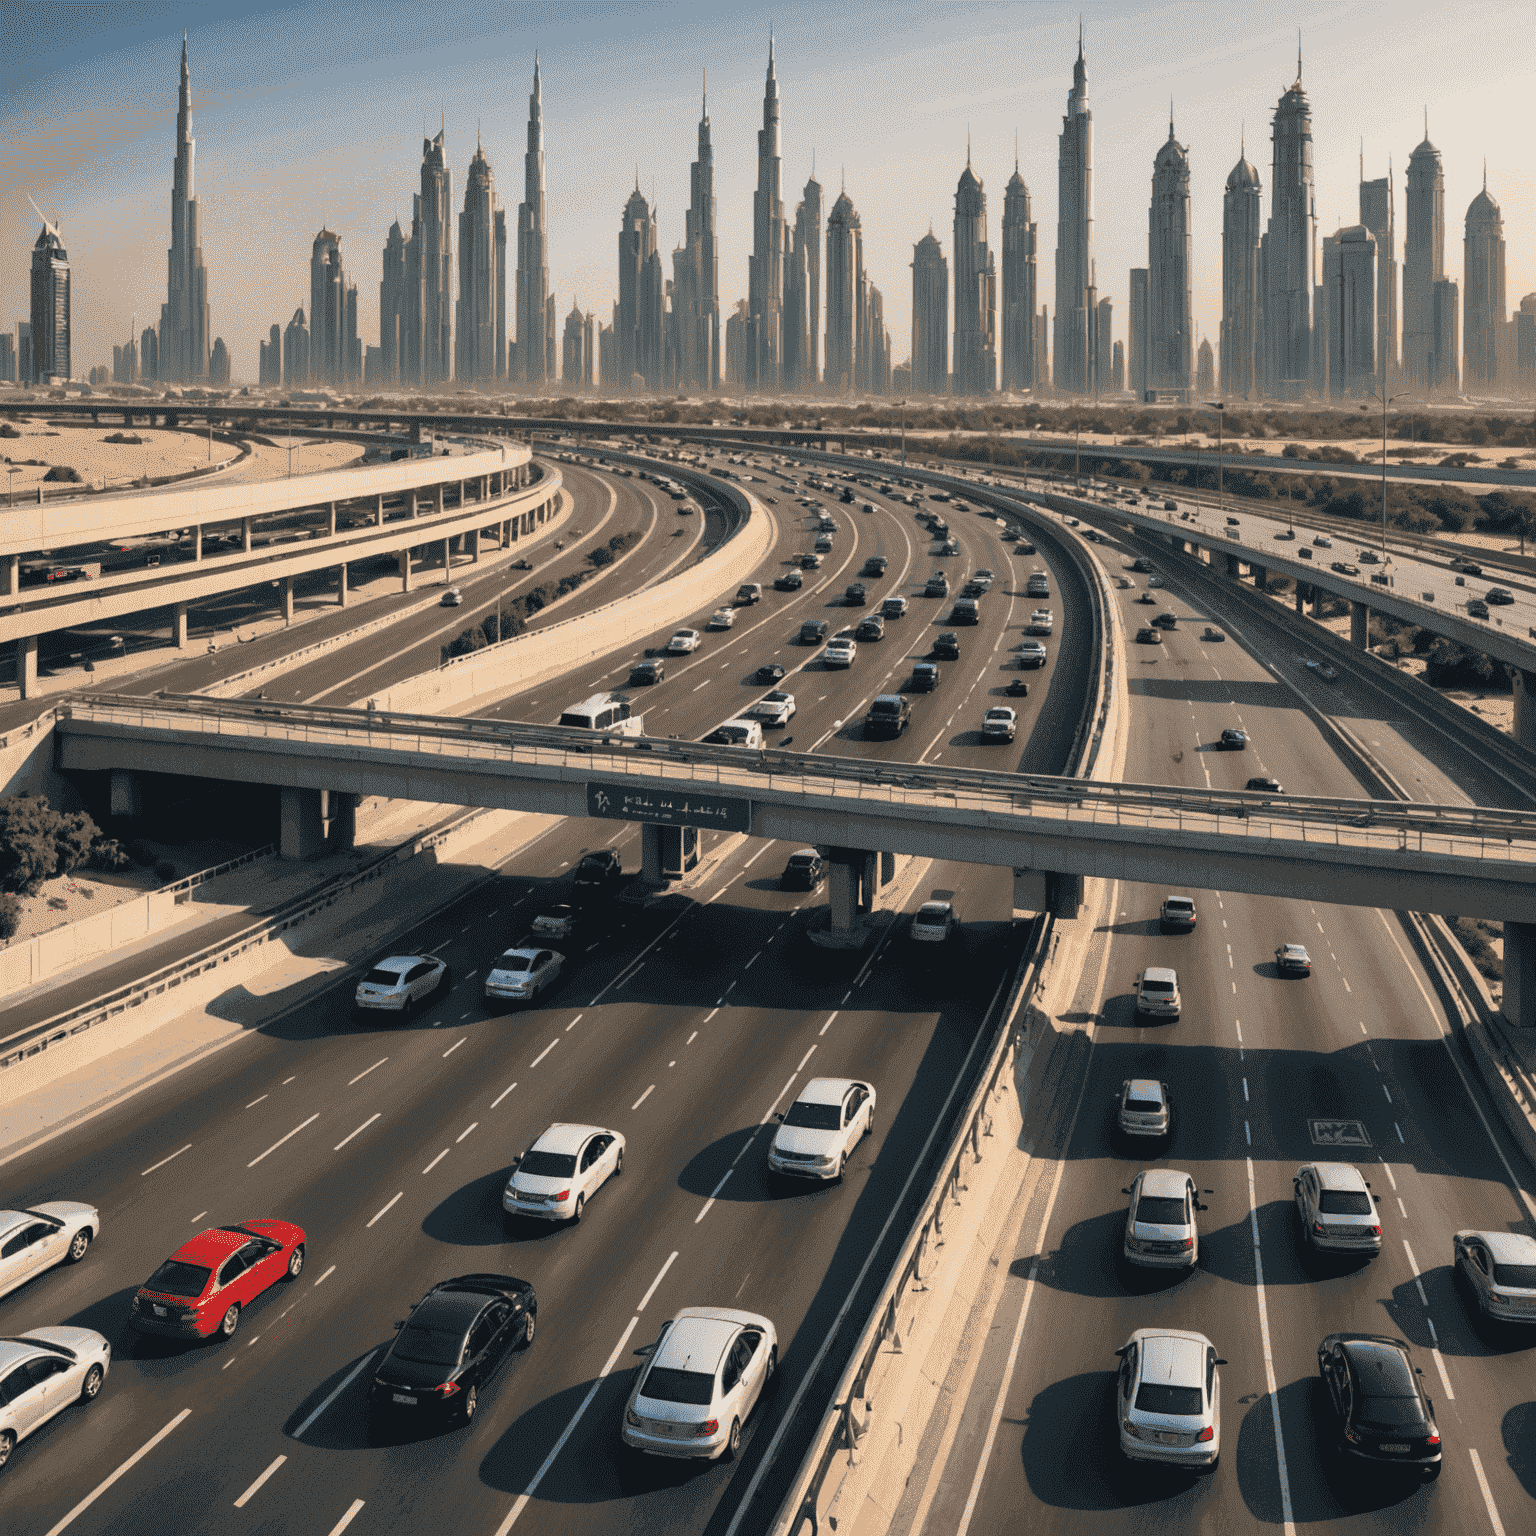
<point x="684" y="641"/>
<point x="722" y="618"/>
<point x="1168" y="1399"/>
<point x="562" y="1170"/>
<point x="401" y="983"/>
<point x="776" y="708"/>
<point x="35" y="1239"/>
<point x="822" y="1127"/>
<point x="42" y="1373"/>
<point x="519" y="975"/>
<point x="839" y="653"/>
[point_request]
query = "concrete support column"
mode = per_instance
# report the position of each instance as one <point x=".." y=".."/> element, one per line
<point x="404" y="559"/>
<point x="442" y="492"/>
<point x="126" y="793"/>
<point x="485" y="488"/>
<point x="303" y="824"/>
<point x="245" y="530"/>
<point x="331" y="520"/>
<point x="197" y="542"/>
<point x="650" y="852"/>
<point x="461" y="493"/>
<point x="343" y="809"/>
<point x="1525" y="708"/>
<point x="26" y="666"/>
<point x="414" y="512"/>
<point x="341" y="585"/>
<point x="12" y="575"/>
<point x="378" y="515"/>
<point x="1260" y="576"/>
<point x="506" y="532"/>
<point x="1234" y="569"/>
<point x="843" y="896"/>
<point x="1359" y="625"/>
<point x="474" y="545"/>
<point x="179" y="626"/>
<point x="1299" y="602"/>
<point x="447" y="557"/>
<point x="1519" y="1001"/>
<point x="287" y="592"/>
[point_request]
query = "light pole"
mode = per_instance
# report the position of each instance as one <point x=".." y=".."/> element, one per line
<point x="1220" y="407"/>
<point x="11" y="471"/>
<point x="1386" y="400"/>
<point x="903" y="434"/>
<point x="1077" y="449"/>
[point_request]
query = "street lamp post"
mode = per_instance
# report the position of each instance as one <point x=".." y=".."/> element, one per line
<point x="1077" y="449"/>
<point x="1386" y="400"/>
<point x="12" y="470"/>
<point x="1220" y="407"/>
<point x="903" y="434"/>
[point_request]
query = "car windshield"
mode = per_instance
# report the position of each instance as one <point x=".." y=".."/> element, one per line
<point x="1390" y="1410"/>
<point x="929" y="913"/>
<point x="1161" y="1211"/>
<point x="1161" y="987"/>
<point x="1159" y="1397"/>
<point x="548" y="1165"/>
<point x="381" y="978"/>
<point x="1180" y="904"/>
<point x="668" y="1385"/>
<point x="429" y="1346"/>
<point x="1519" y="1277"/>
<point x="174" y="1278"/>
<point x="512" y="961"/>
<point x="1140" y="1106"/>
<point x="800" y="861"/>
<point x="815" y="1117"/>
<point x="1345" y="1202"/>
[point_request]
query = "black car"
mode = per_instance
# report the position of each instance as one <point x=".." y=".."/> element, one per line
<point x="1381" y="1412"/>
<point x="855" y="595"/>
<point x="1023" y="547"/>
<point x="1467" y="567"/>
<point x="790" y="581"/>
<point x="769" y="672"/>
<point x="446" y="1352"/>
<point x="947" y="646"/>
<point x="1233" y="740"/>
<point x="600" y="871"/>
<point x="1269" y="786"/>
<point x="804" y="872"/>
<point x="875" y="565"/>
<point x="646" y="672"/>
<point x="814" y="632"/>
<point x="925" y="677"/>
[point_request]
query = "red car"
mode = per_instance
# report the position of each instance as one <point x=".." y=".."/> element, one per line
<point x="201" y="1290"/>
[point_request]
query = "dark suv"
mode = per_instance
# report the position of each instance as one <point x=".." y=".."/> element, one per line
<point x="889" y="715"/>
<point x="599" y="873"/>
<point x="925" y="677"/>
<point x="947" y="646"/>
<point x="814" y="632"/>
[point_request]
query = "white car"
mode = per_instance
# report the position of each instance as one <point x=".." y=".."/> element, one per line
<point x="561" y="1171"/>
<point x="401" y="983"/>
<point x="1160" y="1225"/>
<point x="1168" y="1398"/>
<point x="32" y="1240"/>
<point x="983" y="579"/>
<point x="705" y="1375"/>
<point x="1143" y="1108"/>
<point x="721" y="618"/>
<point x="1040" y="622"/>
<point x="840" y="653"/>
<point x="1499" y="1269"/>
<point x="1031" y="654"/>
<point x="44" y="1371"/>
<point x="519" y="975"/>
<point x="822" y="1127"/>
<point x="1336" y="1209"/>
<point x="999" y="724"/>
<point x="684" y="641"/>
<point x="1155" y="580"/>
<point x="776" y="708"/>
<point x="1157" y="993"/>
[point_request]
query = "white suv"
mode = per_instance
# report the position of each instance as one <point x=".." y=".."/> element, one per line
<point x="1157" y="993"/>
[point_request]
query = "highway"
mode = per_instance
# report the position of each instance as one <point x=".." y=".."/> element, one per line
<point x="685" y="1026"/>
<point x="1264" y="1074"/>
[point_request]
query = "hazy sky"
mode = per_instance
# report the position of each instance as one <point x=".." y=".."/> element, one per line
<point x="312" y="114"/>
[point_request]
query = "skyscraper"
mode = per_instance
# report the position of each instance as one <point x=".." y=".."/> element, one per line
<point x="1104" y="319"/>
<point x="1205" y="369"/>
<point x="149" y="353"/>
<point x="930" y="318"/>
<point x="845" y="268"/>
<point x="1423" y="260"/>
<point x="184" y="323"/>
<point x="638" y="323"/>
<point x="1445" y="356"/>
<point x="1076" y="285"/>
<point x="296" y="352"/>
<point x="573" y="363"/>
<point x="975" y="290"/>
<point x="1136" y="341"/>
<point x="218" y="363"/>
<point x="533" y="294"/>
<point x="50" y="307"/>
<point x="1170" y="300"/>
<point x="877" y="343"/>
<point x="328" y="334"/>
<point x="479" y="317"/>
<point x="696" y="284"/>
<point x="1241" y="232"/>
<point x="1019" y="279"/>
<point x="271" y="374"/>
<point x="802" y="294"/>
<point x="1378" y="214"/>
<point x="1484" y="277"/>
<point x="1348" y="318"/>
<point x="393" y="306"/>
<point x="428" y="354"/>
<point x="1288" y="251"/>
<point x="765" y="269"/>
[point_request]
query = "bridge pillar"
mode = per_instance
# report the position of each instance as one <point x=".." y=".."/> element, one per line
<point x="667" y="853"/>
<point x="447" y="557"/>
<point x="378" y="514"/>
<point x="179" y="626"/>
<point x="1359" y="625"/>
<point x="197" y="542"/>
<point x="442" y="492"/>
<point x="1525" y="708"/>
<point x="474" y="546"/>
<point x="331" y="520"/>
<point x="1299" y="603"/>
<point x="343" y="809"/>
<point x="126" y="795"/>
<point x="12" y="575"/>
<point x="1233" y="569"/>
<point x="1519" y="1001"/>
<point x="303" y="824"/>
<point x="1260" y="576"/>
<point x="26" y="666"/>
<point x="287" y="593"/>
<point x="341" y="585"/>
<point x="403" y="560"/>
<point x="843" y="897"/>
<point x="245" y="533"/>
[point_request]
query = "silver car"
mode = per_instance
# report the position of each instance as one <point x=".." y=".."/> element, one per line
<point x="705" y="1375"/>
<point x="401" y="983"/>
<point x="1336" y="1209"/>
<point x="519" y="975"/>
<point x="822" y="1127"/>
<point x="1157" y="993"/>
<point x="1168" y="1399"/>
<point x="1160" y="1221"/>
<point x="41" y="1373"/>
<point x="1143" y="1108"/>
<point x="556" y="1176"/>
<point x="1499" y="1269"/>
<point x="35" y="1239"/>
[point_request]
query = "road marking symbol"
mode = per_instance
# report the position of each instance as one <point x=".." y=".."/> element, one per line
<point x="1338" y="1133"/>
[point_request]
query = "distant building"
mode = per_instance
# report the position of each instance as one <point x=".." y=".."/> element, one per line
<point x="296" y="352"/>
<point x="1117" y="370"/>
<point x="480" y="316"/>
<point x="1288" y="250"/>
<point x="975" y="348"/>
<point x="1483" y="272"/>
<point x="930" y="318"/>
<point x="1170" y="301"/>
<point x="1378" y="214"/>
<point x="218" y="363"/>
<point x="845" y="271"/>
<point x="125" y="363"/>
<point x="1043" y="351"/>
<point x="533" y="292"/>
<point x="149" y="353"/>
<point x="875" y="369"/>
<point x="427" y="329"/>
<point x="738" y="362"/>
<point x="588" y="351"/>
<point x="1136" y="344"/>
<point x="184" y="320"/>
<point x="1241" y="233"/>
<point x="24" y="351"/>
<point x="638" y="323"/>
<point x="332" y="314"/>
<point x="1017" y="318"/>
<point x="373" y="367"/>
<point x="271" y="372"/>
<point x="765" y="267"/>
<point x="50" y="307"/>
<point x="1445" y="354"/>
<point x="573" y="367"/>
<point x="802" y="294"/>
<point x="1077" y="295"/>
<point x="1350" y="278"/>
<point x="696" y="275"/>
<point x="1423" y="262"/>
<point x="1104" y="322"/>
<point x="393" y="307"/>
<point x="7" y="357"/>
<point x="607" y="355"/>
<point x="1205" y="370"/>
<point x="1525" y="345"/>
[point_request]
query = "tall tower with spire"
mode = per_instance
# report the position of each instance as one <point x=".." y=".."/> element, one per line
<point x="428" y="330"/>
<point x="802" y="292"/>
<point x="1288" y="251"/>
<point x="1018" y="306"/>
<point x="765" y="269"/>
<point x="845" y="284"/>
<point x="696" y="288"/>
<point x="482" y="276"/>
<point x="533" y="248"/>
<point x="930" y="317"/>
<point x="1423" y="259"/>
<point x="1378" y="214"/>
<point x="1484" y="317"/>
<point x="184" y="322"/>
<point x="975" y="289"/>
<point x="1077" y="297"/>
<point x="1170" y="299"/>
<point x="1241" y="231"/>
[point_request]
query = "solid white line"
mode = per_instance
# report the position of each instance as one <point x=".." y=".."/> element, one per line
<point x="500" y="1096"/>
<point x="549" y="1461"/>
<point x="326" y="1276"/>
<point x="336" y="1392"/>
<point x="245" y="1498"/>
<point x="452" y="1048"/>
<point x="1286" y="1514"/>
<point x="132" y="1461"/>
<point x="347" y="1518"/>
<point x="386" y="1208"/>
<point x="276" y="1144"/>
<point x="718" y="1187"/>
<point x="436" y="1160"/>
<point x="657" y="1281"/>
<point x="171" y="1159"/>
<point x="366" y="1070"/>
<point x="467" y="1129"/>
<point x="1482" y="1482"/>
<point x="643" y="1097"/>
<point x="1450" y="1391"/>
<point x="363" y="1127"/>
<point x="255" y="1102"/>
<point x="804" y="1059"/>
<point x="545" y="1052"/>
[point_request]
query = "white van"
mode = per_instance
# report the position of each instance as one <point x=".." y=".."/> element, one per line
<point x="737" y="733"/>
<point x="606" y="712"/>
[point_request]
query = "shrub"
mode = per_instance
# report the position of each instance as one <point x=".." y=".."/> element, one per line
<point x="7" y="430"/>
<point x="63" y="472"/>
<point x="473" y="639"/>
<point x="10" y="915"/>
<point x="600" y="555"/>
<point x="108" y="854"/>
<point x="38" y="842"/>
<point x="1473" y="933"/>
<point x="140" y="851"/>
<point x="165" y="870"/>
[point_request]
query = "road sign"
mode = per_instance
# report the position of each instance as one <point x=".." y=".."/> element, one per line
<point x="682" y="807"/>
<point x="1339" y="1133"/>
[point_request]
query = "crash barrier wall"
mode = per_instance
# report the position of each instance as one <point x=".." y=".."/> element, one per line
<point x="28" y="961"/>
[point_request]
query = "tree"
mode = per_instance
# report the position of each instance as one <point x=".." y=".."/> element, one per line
<point x="38" y="842"/>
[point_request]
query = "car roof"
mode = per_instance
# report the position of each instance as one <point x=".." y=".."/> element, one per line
<point x="1294" y="949"/>
<point x="1145" y="1088"/>
<point x="932" y="907"/>
<point x="1165" y="1182"/>
<point x="804" y="853"/>
<point x="826" y="1090"/>
<point x="14" y="1351"/>
<point x="522" y="949"/>
<point x="212" y="1247"/>
<point x="1160" y="973"/>
<point x="565" y="1136"/>
<point x="1187" y="900"/>
<point x="1339" y="1176"/>
<point x="1177" y="1359"/>
<point x="1507" y="1247"/>
<point x="445" y="1307"/>
<point x="399" y="962"/>
<point x="696" y="1341"/>
<point x="1381" y="1363"/>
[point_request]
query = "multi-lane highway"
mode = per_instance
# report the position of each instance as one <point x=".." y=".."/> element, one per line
<point x="685" y="1025"/>
<point x="1352" y="1063"/>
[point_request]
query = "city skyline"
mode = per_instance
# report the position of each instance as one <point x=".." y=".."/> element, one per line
<point x="889" y="236"/>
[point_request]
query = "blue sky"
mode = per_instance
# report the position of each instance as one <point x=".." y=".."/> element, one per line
<point x="311" y="114"/>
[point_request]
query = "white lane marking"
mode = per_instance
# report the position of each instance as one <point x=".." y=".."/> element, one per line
<point x="348" y="1137"/>
<point x="708" y="1016"/>
<point x="467" y="1129"/>
<point x="1387" y="1091"/>
<point x="1445" y="1379"/>
<point x="1388" y="1166"/>
<point x="326" y="1276"/>
<point x="255" y="1488"/>
<point x="1269" y="1359"/>
<point x="276" y="1144"/>
<point x="504" y="1092"/>
<point x="1396" y="1127"/>
<point x="364" y="1073"/>
<point x="580" y="1016"/>
<point x="705" y="684"/>
<point x="336" y="1392"/>
<point x="545" y="1052"/>
<point x="199" y="1216"/>
<point x="255" y="1102"/>
<point x="657" y="1281"/>
<point x="1403" y="1208"/>
<point x="288" y="1080"/>
<point x="828" y="1025"/>
<point x="643" y="1097"/>
<point x="1248" y="1132"/>
<point x="346" y="1519"/>
<point x="171" y="1159"/>
<point x="549" y="1461"/>
<point x="107" y="1482"/>
<point x="436" y="1160"/>
<point x="691" y="1038"/>
<point x="386" y="1208"/>
<point x="1345" y="980"/>
<point x="804" y="1059"/>
<point x="452" y="1048"/>
<point x="1245" y="1090"/>
<point x="753" y="961"/>
<point x="1482" y="1482"/>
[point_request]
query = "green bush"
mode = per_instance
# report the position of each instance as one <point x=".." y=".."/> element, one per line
<point x="10" y="915"/>
<point x="600" y="555"/>
<point x="1473" y="933"/>
<point x="38" y="842"/>
<point x="107" y="854"/>
<point x="63" y="472"/>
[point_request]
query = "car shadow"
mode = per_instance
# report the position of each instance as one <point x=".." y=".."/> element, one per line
<point x="471" y="1214"/>
<point x="747" y="1182"/>
<point x="344" y="1424"/>
<point x="1518" y="1429"/>
<point x="108" y="1316"/>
